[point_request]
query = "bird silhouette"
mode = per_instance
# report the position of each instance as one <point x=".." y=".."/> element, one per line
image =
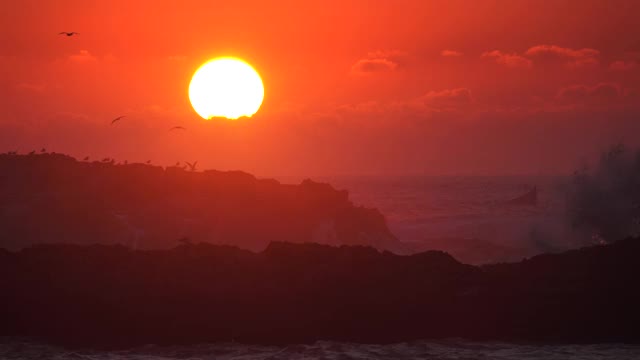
<point x="192" y="167"/>
<point x="43" y="150"/>
<point x="148" y="161"/>
<point x="117" y="119"/>
<point x="86" y="158"/>
<point x="177" y="128"/>
<point x="32" y="152"/>
<point x="69" y="33"/>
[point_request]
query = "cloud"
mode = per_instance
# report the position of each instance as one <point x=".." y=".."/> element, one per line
<point x="366" y="66"/>
<point x="574" y="58"/>
<point x="509" y="60"/>
<point x="82" y="57"/>
<point x="378" y="61"/>
<point x="450" y="101"/>
<point x="561" y="51"/>
<point x="450" y="98"/>
<point x="387" y="54"/>
<point x="450" y="53"/>
<point x="622" y="65"/>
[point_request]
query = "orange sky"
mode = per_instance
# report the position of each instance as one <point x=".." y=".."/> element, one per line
<point x="351" y="87"/>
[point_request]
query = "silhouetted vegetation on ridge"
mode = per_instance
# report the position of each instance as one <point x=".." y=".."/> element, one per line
<point x="114" y="296"/>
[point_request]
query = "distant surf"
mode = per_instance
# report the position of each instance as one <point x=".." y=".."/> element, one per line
<point x="472" y="217"/>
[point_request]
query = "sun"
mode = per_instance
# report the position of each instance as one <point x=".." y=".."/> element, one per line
<point x="226" y="87"/>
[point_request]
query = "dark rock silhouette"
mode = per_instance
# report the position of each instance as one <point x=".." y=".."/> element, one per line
<point x="112" y="296"/>
<point x="54" y="198"/>
<point x="470" y="250"/>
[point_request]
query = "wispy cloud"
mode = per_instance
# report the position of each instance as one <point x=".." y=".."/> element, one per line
<point x="509" y="60"/>
<point x="574" y="58"/>
<point x="378" y="61"/>
<point x="450" y="53"/>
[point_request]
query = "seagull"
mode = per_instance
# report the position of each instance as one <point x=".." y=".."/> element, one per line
<point x="117" y="119"/>
<point x="192" y="167"/>
<point x="69" y="33"/>
<point x="177" y="128"/>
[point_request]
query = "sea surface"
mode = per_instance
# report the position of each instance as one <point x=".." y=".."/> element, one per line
<point x="423" y="208"/>
<point x="440" y="350"/>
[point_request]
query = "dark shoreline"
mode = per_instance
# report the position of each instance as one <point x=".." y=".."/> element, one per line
<point x="113" y="297"/>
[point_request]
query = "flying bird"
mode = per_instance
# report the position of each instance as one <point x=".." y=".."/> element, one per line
<point x="192" y="167"/>
<point x="117" y="119"/>
<point x="177" y="128"/>
<point x="69" y="33"/>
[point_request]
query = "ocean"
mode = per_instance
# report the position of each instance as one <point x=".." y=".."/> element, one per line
<point x="468" y="216"/>
<point x="437" y="350"/>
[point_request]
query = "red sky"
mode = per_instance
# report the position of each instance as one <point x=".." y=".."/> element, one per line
<point x="351" y="87"/>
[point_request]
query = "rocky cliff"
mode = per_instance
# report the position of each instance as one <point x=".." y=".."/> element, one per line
<point x="54" y="198"/>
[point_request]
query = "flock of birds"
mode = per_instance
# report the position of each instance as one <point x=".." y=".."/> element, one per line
<point x="73" y="33"/>
<point x="124" y="116"/>
<point x="190" y="166"/>
<point x="187" y="165"/>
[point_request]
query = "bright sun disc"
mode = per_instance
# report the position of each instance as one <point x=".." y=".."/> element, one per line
<point x="226" y="87"/>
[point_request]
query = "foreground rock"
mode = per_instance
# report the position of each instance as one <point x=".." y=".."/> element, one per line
<point x="113" y="296"/>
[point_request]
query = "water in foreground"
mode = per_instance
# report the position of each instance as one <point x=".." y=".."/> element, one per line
<point x="450" y="349"/>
